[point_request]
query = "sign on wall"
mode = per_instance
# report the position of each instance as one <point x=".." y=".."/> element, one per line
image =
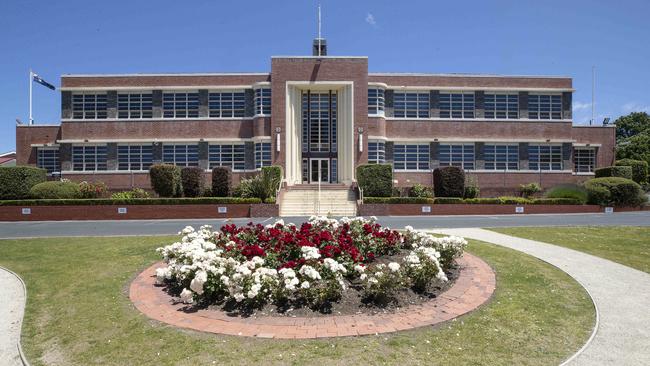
<point x="222" y="209"/>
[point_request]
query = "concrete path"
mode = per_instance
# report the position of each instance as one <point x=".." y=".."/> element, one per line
<point x="621" y="295"/>
<point x="12" y="305"/>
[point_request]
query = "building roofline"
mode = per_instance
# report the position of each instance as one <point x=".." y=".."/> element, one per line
<point x="468" y="75"/>
<point x="315" y="57"/>
<point x="169" y="74"/>
<point x="7" y="153"/>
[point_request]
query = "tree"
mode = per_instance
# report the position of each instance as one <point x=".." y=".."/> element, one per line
<point x="636" y="147"/>
<point x="632" y="125"/>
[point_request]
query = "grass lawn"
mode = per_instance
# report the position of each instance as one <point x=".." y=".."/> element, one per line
<point x="78" y="313"/>
<point x="622" y="244"/>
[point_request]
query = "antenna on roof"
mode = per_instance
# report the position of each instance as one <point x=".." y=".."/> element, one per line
<point x="319" y="22"/>
<point x="593" y="95"/>
<point x="320" y="45"/>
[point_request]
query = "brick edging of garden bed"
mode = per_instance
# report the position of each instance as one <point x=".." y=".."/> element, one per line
<point x="474" y="286"/>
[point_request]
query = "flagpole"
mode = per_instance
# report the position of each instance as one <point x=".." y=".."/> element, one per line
<point x="31" y="78"/>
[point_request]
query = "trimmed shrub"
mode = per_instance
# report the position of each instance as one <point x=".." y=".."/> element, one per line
<point x="134" y="201"/>
<point x="397" y="200"/>
<point x="16" y="181"/>
<point x="557" y="201"/>
<point x="615" y="191"/>
<point x="92" y="190"/>
<point x="506" y="200"/>
<point x="192" y="181"/>
<point x="472" y="189"/>
<point x="166" y="180"/>
<point x="639" y="169"/>
<point x="571" y="191"/>
<point x="484" y="201"/>
<point x="529" y="189"/>
<point x="128" y="195"/>
<point x="447" y="200"/>
<point x="449" y="181"/>
<point x="614" y="171"/>
<point x="221" y="181"/>
<point x="421" y="191"/>
<point x="376" y="180"/>
<point x="56" y="190"/>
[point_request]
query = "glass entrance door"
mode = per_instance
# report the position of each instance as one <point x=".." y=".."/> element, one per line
<point x="319" y="170"/>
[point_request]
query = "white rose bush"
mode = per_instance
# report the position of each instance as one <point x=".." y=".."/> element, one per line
<point x="312" y="264"/>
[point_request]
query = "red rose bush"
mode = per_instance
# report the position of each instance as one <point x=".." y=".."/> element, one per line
<point x="311" y="264"/>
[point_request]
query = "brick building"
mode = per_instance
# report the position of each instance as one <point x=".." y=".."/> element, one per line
<point x="319" y="117"/>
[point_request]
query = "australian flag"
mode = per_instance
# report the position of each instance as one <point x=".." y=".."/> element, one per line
<point x="39" y="80"/>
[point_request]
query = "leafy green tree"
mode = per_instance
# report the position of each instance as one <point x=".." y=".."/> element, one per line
<point x="632" y="125"/>
<point x="636" y="147"/>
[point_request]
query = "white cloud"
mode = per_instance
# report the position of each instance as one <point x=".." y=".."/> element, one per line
<point x="635" y="107"/>
<point x="370" y="19"/>
<point x="579" y="106"/>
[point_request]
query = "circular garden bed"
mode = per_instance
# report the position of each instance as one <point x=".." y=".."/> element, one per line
<point x="323" y="278"/>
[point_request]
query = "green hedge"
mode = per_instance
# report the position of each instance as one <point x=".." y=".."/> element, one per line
<point x="166" y="180"/>
<point x="614" y="171"/>
<point x="16" y="181"/>
<point x="447" y="200"/>
<point x="571" y="191"/>
<point x="639" y="169"/>
<point x="397" y="200"/>
<point x="134" y="201"/>
<point x="221" y="182"/>
<point x="376" y="180"/>
<point x="449" y="181"/>
<point x="614" y="191"/>
<point x="192" y="181"/>
<point x="56" y="190"/>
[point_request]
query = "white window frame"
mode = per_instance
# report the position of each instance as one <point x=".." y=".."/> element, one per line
<point x="50" y="163"/>
<point x="538" y="111"/>
<point x="94" y="159"/>
<point x="376" y="103"/>
<point x="131" y="157"/>
<point x="421" y="165"/>
<point x="186" y="162"/>
<point x="236" y="161"/>
<point x="579" y="164"/>
<point x="232" y="107"/>
<point x="552" y="159"/>
<point x="423" y="99"/>
<point x="378" y="155"/>
<point x="464" y="114"/>
<point x="263" y="101"/>
<point x="176" y="111"/>
<point x="135" y="108"/>
<point x="261" y="148"/>
<point x="465" y="163"/>
<point x="99" y="109"/>
<point x="507" y="155"/>
<point x="509" y="114"/>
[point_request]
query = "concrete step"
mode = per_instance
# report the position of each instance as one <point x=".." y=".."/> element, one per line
<point x="300" y="201"/>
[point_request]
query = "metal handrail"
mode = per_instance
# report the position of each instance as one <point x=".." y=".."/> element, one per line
<point x="277" y="191"/>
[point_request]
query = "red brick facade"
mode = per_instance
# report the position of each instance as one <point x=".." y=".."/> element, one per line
<point x="254" y="128"/>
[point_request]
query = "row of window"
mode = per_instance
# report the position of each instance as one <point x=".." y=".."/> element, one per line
<point x="495" y="156"/>
<point x="460" y="105"/>
<point x="140" y="157"/>
<point x="225" y="104"/>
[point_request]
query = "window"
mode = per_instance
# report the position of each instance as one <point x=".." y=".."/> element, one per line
<point x="89" y="106"/>
<point x="460" y="155"/>
<point x="134" y="105"/>
<point x="48" y="158"/>
<point x="411" y="157"/>
<point x="88" y="158"/>
<point x="319" y="121"/>
<point x="181" y="105"/>
<point x="545" y="106"/>
<point x="376" y="102"/>
<point x="501" y="157"/>
<point x="263" y="101"/>
<point x="501" y="106"/>
<point x="181" y="154"/>
<point x="584" y="159"/>
<point x="376" y="152"/>
<point x="411" y="105"/>
<point x="456" y="105"/>
<point x="231" y="156"/>
<point x="227" y="104"/>
<point x="262" y="154"/>
<point x="134" y="157"/>
<point x="545" y="157"/>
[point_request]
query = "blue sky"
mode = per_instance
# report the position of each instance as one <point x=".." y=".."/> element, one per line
<point x="504" y="37"/>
